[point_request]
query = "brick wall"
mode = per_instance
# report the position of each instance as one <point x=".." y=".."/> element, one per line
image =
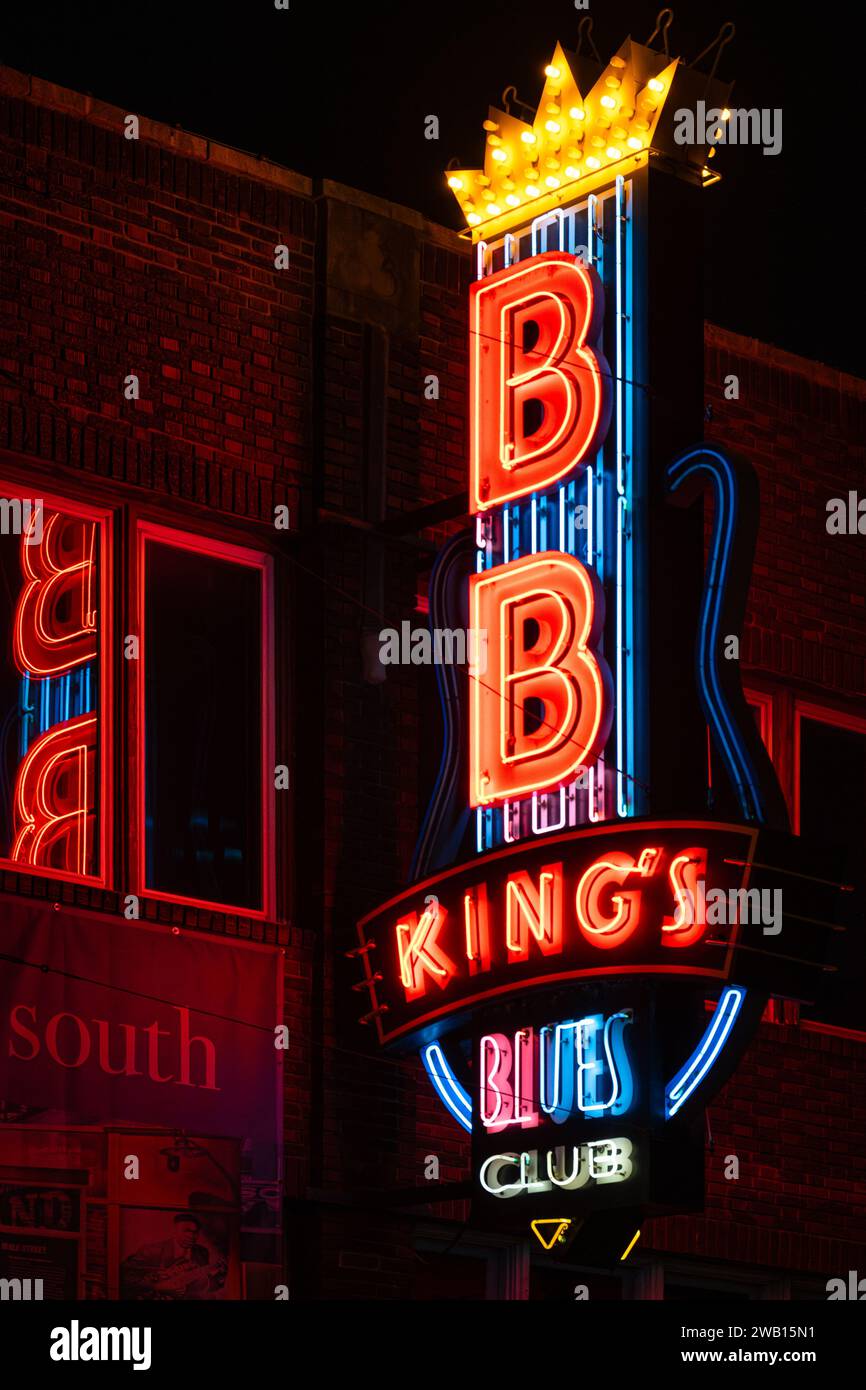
<point x="794" y="1115"/>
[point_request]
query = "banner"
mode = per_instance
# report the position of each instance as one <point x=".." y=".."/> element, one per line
<point x="105" y="1022"/>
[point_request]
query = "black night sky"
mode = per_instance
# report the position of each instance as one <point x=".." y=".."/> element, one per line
<point x="341" y="91"/>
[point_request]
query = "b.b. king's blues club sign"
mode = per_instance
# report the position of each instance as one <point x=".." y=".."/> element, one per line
<point x="575" y="958"/>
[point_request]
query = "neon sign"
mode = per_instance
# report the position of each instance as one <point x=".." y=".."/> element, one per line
<point x="55" y="798"/>
<point x="558" y="983"/>
<point x="55" y="642"/>
<point x="566" y="908"/>
<point x="580" y="1067"/>
<point x="55" y="621"/>
<point x="561" y="374"/>
<point x="566" y="1169"/>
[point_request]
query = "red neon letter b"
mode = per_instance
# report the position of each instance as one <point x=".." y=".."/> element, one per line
<point x="542" y="708"/>
<point x="540" y="396"/>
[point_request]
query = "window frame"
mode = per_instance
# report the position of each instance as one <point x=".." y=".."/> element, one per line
<point x="144" y="530"/>
<point x="819" y="714"/>
<point x="103" y="515"/>
<point x="763" y="700"/>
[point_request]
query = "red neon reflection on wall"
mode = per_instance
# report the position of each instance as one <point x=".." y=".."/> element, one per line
<point x="531" y="329"/>
<point x="55" y="798"/>
<point x="55" y="621"/>
<point x="542" y="616"/>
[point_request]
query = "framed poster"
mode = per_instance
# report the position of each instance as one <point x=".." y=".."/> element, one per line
<point x="177" y="1256"/>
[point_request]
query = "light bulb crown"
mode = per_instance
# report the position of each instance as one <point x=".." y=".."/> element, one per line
<point x="572" y="134"/>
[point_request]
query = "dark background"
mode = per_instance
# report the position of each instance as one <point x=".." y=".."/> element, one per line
<point x="341" y="91"/>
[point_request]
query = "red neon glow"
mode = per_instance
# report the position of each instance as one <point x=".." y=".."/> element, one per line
<point x="630" y="862"/>
<point x="543" y="617"/>
<point x="476" y="914"/>
<point x="419" y="954"/>
<point x="531" y="327"/>
<point x="534" y="913"/>
<point x="507" y="1091"/>
<point x="688" y="923"/>
<point x="54" y="799"/>
<point x="599" y="925"/>
<point x="55" y="621"/>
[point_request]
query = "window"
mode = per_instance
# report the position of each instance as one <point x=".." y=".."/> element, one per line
<point x="205" y="765"/>
<point x="55" y="688"/>
<point x="196" y="661"/>
<point x="830" y="808"/>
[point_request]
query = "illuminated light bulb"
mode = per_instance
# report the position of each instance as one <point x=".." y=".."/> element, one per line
<point x="634" y="143"/>
<point x="508" y="184"/>
<point x="473" y="219"/>
<point x="655" y="85"/>
<point x="500" y="156"/>
<point x="641" y="124"/>
<point x="554" y="108"/>
<point x="577" y="113"/>
<point x="513" y="201"/>
<point x="597" y="142"/>
<point x="572" y="172"/>
<point x="552" y="127"/>
<point x="613" y="152"/>
<point x="574" y="152"/>
<point x="551" y="71"/>
<point x="484" y="180"/>
<point x="551" y="163"/>
<point x="490" y="125"/>
<point x="609" y="103"/>
<point x="494" y="140"/>
<point x="619" y="132"/>
<point x="593" y="163"/>
<point x="551" y="181"/>
<point x="612" y="82"/>
<point x="617" y="62"/>
<point x="532" y="174"/>
<point x="531" y="191"/>
<point x="455" y="182"/>
<point x="494" y="210"/>
<point x="528" y="137"/>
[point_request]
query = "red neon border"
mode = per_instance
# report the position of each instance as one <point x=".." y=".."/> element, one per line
<point x="509" y="851"/>
<point x="104" y="838"/>
<point x="819" y="714"/>
<point x="253" y="559"/>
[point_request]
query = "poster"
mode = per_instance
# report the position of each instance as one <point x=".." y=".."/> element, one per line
<point x="51" y="1259"/>
<point x="177" y="1256"/>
